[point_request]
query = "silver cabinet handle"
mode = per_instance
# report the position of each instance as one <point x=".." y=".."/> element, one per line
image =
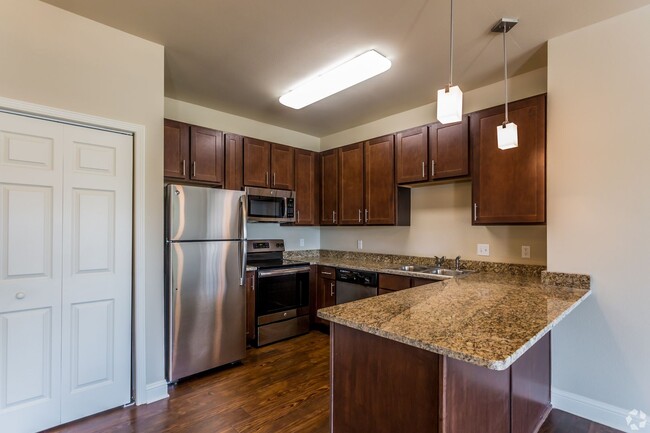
<point x="359" y="215"/>
<point x="433" y="168"/>
<point x="326" y="273"/>
<point x="273" y="178"/>
<point x="183" y="168"/>
<point x="20" y="295"/>
<point x="298" y="215"/>
<point x="475" y="211"/>
<point x="334" y="216"/>
<point x="366" y="215"/>
<point x="332" y="289"/>
<point x="193" y="168"/>
<point x="266" y="178"/>
<point x="423" y="172"/>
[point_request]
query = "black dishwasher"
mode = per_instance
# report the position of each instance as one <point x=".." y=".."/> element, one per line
<point x="352" y="285"/>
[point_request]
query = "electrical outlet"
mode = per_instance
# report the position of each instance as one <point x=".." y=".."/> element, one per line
<point x="525" y="252"/>
<point x="359" y="244"/>
<point x="483" y="249"/>
<point x="302" y="242"/>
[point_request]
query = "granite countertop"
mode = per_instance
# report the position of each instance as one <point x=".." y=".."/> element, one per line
<point x="487" y="319"/>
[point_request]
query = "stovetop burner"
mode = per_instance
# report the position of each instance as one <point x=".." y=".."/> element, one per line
<point x="266" y="254"/>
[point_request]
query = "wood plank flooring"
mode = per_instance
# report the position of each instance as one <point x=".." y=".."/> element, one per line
<point x="283" y="387"/>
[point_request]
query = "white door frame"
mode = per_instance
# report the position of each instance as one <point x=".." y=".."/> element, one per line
<point x="139" y="283"/>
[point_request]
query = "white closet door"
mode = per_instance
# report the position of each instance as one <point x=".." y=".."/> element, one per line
<point x="31" y="159"/>
<point x="97" y="246"/>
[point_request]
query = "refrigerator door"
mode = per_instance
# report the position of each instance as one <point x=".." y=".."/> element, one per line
<point x="198" y="213"/>
<point x="207" y="307"/>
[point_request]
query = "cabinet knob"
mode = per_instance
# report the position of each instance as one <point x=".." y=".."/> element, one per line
<point x="20" y="295"/>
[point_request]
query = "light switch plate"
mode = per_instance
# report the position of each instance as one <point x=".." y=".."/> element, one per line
<point x="525" y="252"/>
<point x="483" y="249"/>
<point x="359" y="244"/>
<point x="302" y="242"/>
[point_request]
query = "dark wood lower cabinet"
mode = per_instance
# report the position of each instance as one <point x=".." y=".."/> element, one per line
<point x="373" y="392"/>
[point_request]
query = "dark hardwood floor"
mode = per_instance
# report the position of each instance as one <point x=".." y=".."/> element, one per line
<point x="283" y="387"/>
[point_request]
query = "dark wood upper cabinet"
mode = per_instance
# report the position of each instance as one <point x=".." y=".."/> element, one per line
<point x="379" y="181"/>
<point x="329" y="187"/>
<point x="257" y="163"/>
<point x="412" y="155"/>
<point x="234" y="166"/>
<point x="177" y="149"/>
<point x="282" y="166"/>
<point x="351" y="177"/>
<point x="207" y="155"/>
<point x="509" y="186"/>
<point x="307" y="187"/>
<point x="449" y="150"/>
<point x="193" y="154"/>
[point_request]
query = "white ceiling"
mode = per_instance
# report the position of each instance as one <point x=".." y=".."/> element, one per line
<point x="239" y="56"/>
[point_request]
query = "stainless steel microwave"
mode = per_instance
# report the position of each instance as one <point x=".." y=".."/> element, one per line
<point x="270" y="205"/>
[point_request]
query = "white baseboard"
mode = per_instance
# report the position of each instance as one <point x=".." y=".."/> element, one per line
<point x="594" y="410"/>
<point x="156" y="391"/>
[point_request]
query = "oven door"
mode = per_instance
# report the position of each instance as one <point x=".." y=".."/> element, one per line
<point x="281" y="290"/>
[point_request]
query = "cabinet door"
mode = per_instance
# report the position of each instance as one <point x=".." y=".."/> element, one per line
<point x="412" y="155"/>
<point x="380" y="189"/>
<point x="206" y="153"/>
<point x="282" y="170"/>
<point x="351" y="185"/>
<point x="257" y="160"/>
<point x="326" y="290"/>
<point x="509" y="186"/>
<point x="234" y="165"/>
<point x="177" y="149"/>
<point x="449" y="150"/>
<point x="329" y="185"/>
<point x="307" y="191"/>
<point x="415" y="282"/>
<point x="250" y="306"/>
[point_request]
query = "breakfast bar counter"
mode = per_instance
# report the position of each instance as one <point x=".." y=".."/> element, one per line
<point x="463" y="355"/>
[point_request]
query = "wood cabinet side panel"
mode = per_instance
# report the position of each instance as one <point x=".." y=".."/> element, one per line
<point x="372" y="391"/>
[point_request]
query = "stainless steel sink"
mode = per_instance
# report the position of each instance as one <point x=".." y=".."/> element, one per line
<point x="439" y="273"/>
<point x="411" y="268"/>
<point x="449" y="272"/>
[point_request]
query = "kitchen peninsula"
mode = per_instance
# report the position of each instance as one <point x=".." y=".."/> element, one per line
<point x="464" y="355"/>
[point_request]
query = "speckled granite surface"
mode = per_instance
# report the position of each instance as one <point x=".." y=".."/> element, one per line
<point x="579" y="281"/>
<point x="485" y="319"/>
<point x="382" y="263"/>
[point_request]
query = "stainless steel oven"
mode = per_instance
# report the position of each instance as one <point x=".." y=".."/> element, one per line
<point x="281" y="292"/>
<point x="270" y="205"/>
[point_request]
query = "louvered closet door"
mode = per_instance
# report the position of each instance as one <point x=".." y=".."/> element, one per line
<point x="97" y="215"/>
<point x="31" y="177"/>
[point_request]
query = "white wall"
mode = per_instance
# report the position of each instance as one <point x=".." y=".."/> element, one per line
<point x="441" y="214"/>
<point x="55" y="58"/>
<point x="599" y="214"/>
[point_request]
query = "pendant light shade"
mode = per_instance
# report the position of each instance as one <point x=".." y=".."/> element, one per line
<point x="450" y="105"/>
<point x="507" y="137"/>
<point x="450" y="99"/>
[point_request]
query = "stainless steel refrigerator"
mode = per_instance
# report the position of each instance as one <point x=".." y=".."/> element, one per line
<point x="205" y="273"/>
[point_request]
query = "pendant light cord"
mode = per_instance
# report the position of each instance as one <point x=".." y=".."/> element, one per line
<point x="451" y="46"/>
<point x="505" y="69"/>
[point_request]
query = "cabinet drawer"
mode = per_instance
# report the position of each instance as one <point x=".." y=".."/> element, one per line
<point x="326" y="272"/>
<point x="394" y="282"/>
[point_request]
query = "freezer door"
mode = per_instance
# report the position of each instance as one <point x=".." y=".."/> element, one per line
<point x="198" y="213"/>
<point x="206" y="307"/>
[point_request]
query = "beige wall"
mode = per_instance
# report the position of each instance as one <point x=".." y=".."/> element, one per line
<point x="209" y="118"/>
<point x="54" y="58"/>
<point x="599" y="213"/>
<point x="441" y="214"/>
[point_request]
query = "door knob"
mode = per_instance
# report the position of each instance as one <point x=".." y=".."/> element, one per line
<point x="20" y="295"/>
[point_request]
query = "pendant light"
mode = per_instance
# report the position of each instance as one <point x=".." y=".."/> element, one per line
<point x="450" y="99"/>
<point x="506" y="133"/>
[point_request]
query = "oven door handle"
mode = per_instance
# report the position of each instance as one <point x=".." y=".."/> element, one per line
<point x="282" y="271"/>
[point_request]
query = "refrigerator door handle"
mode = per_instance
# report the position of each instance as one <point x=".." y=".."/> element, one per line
<point x="243" y="236"/>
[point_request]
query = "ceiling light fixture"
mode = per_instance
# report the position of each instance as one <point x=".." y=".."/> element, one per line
<point x="352" y="72"/>
<point x="506" y="133"/>
<point x="450" y="99"/>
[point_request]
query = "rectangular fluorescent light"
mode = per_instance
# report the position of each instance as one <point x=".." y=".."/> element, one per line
<point x="352" y="72"/>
